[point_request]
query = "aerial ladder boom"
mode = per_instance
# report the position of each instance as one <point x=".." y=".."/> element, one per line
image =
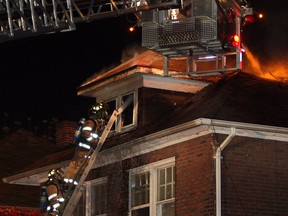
<point x="24" y="18"/>
<point x="173" y="28"/>
<point x="74" y="194"/>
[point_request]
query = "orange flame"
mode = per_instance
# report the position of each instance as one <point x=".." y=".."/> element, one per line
<point x="271" y="70"/>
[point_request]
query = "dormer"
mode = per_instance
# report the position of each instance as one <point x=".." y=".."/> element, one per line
<point x="141" y="77"/>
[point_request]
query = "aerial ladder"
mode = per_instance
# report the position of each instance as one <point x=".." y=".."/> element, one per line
<point x="74" y="192"/>
<point x="25" y="18"/>
<point x="196" y="30"/>
<point x="199" y="31"/>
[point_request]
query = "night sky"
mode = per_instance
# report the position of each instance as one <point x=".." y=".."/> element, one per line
<point x="268" y="37"/>
<point x="40" y="75"/>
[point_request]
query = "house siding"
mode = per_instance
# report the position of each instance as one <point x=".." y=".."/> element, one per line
<point x="255" y="178"/>
<point x="254" y="175"/>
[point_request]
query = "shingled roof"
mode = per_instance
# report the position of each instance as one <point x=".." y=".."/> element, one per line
<point x="18" y="150"/>
<point x="239" y="97"/>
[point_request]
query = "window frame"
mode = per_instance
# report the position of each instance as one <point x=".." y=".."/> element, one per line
<point x="119" y="128"/>
<point x="153" y="189"/>
<point x="82" y="205"/>
<point x="88" y="186"/>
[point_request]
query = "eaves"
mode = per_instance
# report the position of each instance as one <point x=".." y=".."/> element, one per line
<point x="168" y="137"/>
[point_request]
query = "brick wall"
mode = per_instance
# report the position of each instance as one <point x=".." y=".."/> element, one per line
<point x="195" y="193"/>
<point x="194" y="178"/>
<point x="255" y="178"/>
<point x="64" y="133"/>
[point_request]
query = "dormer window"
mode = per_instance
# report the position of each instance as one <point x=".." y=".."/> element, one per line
<point x="127" y="119"/>
<point x="149" y="91"/>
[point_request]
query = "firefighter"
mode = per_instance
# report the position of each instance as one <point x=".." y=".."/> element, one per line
<point x="87" y="139"/>
<point x="54" y="192"/>
<point x="43" y="199"/>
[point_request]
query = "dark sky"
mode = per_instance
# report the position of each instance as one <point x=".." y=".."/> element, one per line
<point x="39" y="75"/>
<point x="269" y="37"/>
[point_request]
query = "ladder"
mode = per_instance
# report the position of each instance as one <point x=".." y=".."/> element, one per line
<point x="74" y="192"/>
<point x="25" y="18"/>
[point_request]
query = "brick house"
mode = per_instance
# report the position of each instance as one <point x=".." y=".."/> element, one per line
<point x="18" y="150"/>
<point x="184" y="146"/>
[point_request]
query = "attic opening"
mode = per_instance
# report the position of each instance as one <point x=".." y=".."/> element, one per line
<point x="163" y="94"/>
<point x="127" y="119"/>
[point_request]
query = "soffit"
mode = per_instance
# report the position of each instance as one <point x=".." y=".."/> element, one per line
<point x="147" y="62"/>
<point x="123" y="84"/>
<point x="162" y="139"/>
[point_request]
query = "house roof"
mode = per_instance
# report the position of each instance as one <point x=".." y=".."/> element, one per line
<point x="18" y="150"/>
<point x="148" y="62"/>
<point x="240" y="97"/>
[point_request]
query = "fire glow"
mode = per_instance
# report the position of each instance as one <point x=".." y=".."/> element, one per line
<point x="270" y="70"/>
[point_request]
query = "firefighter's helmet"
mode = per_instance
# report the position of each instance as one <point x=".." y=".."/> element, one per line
<point x="98" y="111"/>
<point x="55" y="174"/>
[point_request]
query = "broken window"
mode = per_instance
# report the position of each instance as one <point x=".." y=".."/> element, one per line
<point x="127" y="119"/>
<point x="112" y="107"/>
<point x="127" y="114"/>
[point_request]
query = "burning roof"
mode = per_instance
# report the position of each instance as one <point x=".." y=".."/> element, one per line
<point x="148" y="62"/>
<point x="240" y="97"/>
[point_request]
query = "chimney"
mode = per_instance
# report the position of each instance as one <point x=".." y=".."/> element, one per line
<point x="64" y="133"/>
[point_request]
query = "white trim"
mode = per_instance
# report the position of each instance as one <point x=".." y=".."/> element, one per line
<point x="137" y="79"/>
<point x="119" y="128"/>
<point x="152" y="168"/>
<point x="126" y="128"/>
<point x="96" y="181"/>
<point x="133" y="149"/>
<point x="158" y="164"/>
<point x="173" y="84"/>
<point x="88" y="186"/>
<point x="168" y="137"/>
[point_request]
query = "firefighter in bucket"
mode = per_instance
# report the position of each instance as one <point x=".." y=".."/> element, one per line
<point x="86" y="138"/>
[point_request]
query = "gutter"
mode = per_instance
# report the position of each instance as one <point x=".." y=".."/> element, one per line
<point x="187" y="130"/>
<point x="218" y="169"/>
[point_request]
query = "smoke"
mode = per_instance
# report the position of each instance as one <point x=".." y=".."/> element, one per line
<point x="267" y="40"/>
<point x="131" y="51"/>
<point x="273" y="68"/>
<point x="128" y="53"/>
